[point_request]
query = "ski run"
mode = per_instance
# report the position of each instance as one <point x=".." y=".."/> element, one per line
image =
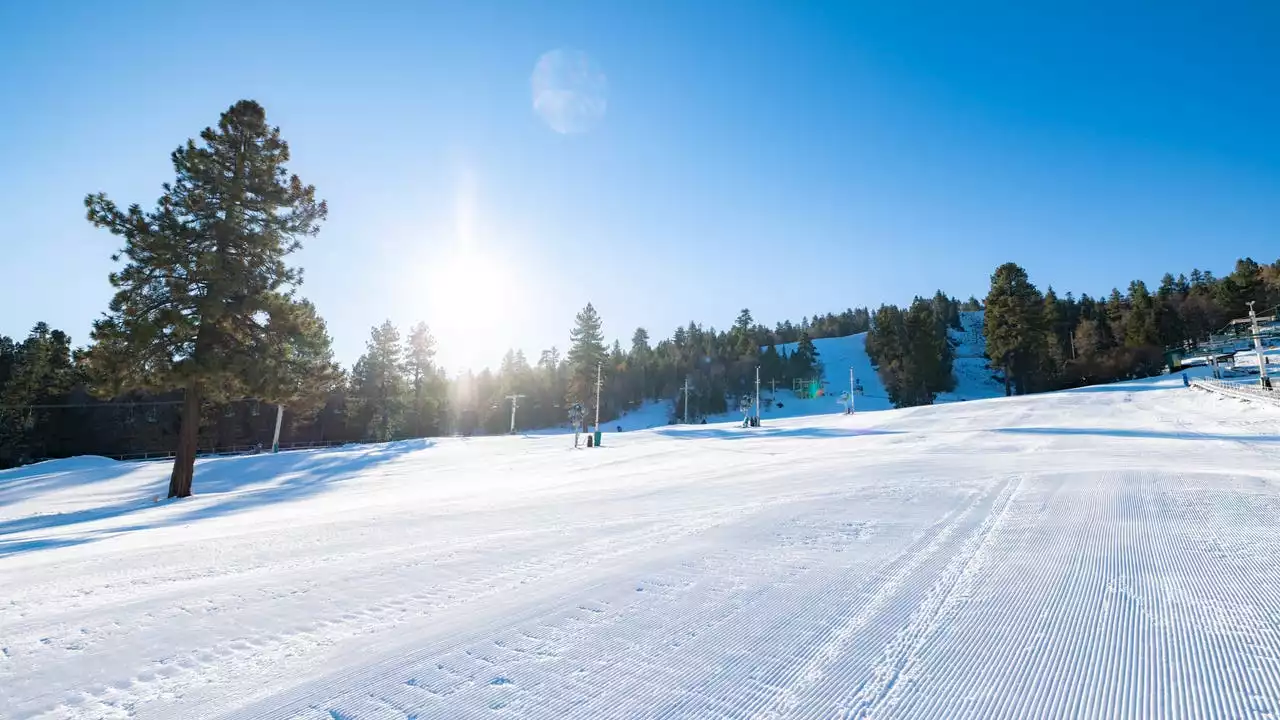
<point x="1109" y="552"/>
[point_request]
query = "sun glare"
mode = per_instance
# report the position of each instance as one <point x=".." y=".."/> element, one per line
<point x="471" y="295"/>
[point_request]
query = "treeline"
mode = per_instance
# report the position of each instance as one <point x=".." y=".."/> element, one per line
<point x="1043" y="341"/>
<point x="717" y="365"/>
<point x="55" y="403"/>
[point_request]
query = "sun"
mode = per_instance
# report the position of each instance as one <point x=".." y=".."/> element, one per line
<point x="472" y="296"/>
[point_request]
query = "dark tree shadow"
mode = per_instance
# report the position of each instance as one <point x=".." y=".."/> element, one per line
<point x="28" y="480"/>
<point x="222" y="486"/>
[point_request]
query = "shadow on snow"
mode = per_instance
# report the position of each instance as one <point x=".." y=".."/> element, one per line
<point x="685" y="432"/>
<point x="1148" y="434"/>
<point x="223" y="486"/>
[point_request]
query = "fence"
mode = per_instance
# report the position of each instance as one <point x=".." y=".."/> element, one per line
<point x="230" y="450"/>
<point x="1243" y="391"/>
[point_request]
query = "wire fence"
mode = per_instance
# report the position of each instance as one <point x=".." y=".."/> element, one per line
<point x="229" y="450"/>
<point x="1242" y="391"/>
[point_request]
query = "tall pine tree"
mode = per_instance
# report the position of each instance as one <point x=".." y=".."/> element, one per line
<point x="205" y="296"/>
<point x="586" y="355"/>
<point x="378" y="383"/>
<point x="419" y="365"/>
<point x="1014" y="325"/>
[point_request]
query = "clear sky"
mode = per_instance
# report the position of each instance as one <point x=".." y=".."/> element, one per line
<point x="788" y="157"/>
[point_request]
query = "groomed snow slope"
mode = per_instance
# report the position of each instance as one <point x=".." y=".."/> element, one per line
<point x="1103" y="553"/>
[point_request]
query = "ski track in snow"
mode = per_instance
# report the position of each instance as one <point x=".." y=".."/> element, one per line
<point x="1102" y="553"/>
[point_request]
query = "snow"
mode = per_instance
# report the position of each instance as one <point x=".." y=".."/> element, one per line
<point x="974" y="380"/>
<point x="1108" y="552"/>
<point x="650" y="414"/>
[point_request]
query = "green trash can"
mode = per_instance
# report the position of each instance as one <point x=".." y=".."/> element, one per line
<point x="597" y="438"/>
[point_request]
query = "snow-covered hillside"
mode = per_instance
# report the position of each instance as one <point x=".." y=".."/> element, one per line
<point x="974" y="380"/>
<point x="1109" y="552"/>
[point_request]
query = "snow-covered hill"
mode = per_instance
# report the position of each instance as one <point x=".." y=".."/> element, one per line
<point x="974" y="381"/>
<point x="1109" y="552"/>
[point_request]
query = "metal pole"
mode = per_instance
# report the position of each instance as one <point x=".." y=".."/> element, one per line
<point x="515" y="403"/>
<point x="275" y="440"/>
<point x="598" y="367"/>
<point x="851" y="381"/>
<point x="1257" y="348"/>
<point x="757" y="395"/>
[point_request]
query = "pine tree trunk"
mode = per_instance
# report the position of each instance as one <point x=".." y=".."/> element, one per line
<point x="184" y="461"/>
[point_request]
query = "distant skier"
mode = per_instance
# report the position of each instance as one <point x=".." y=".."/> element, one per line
<point x="1186" y="381"/>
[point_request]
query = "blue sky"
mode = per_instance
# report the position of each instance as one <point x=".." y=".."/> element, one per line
<point x="791" y="158"/>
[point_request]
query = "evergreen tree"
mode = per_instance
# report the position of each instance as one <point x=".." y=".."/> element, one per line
<point x="1057" y="335"/>
<point x="947" y="312"/>
<point x="1244" y="284"/>
<point x="641" y="363"/>
<point x="37" y="371"/>
<point x="301" y="368"/>
<point x="804" y="361"/>
<point x="1182" y="286"/>
<point x="640" y="344"/>
<point x="1140" y="325"/>
<point x="927" y="360"/>
<point x="743" y="344"/>
<point x="1014" y="325"/>
<point x="887" y="347"/>
<point x="771" y="367"/>
<point x="378" y="383"/>
<point x="586" y="354"/>
<point x="911" y="351"/>
<point x="419" y="365"/>
<point x="1115" y="314"/>
<point x="205" y="289"/>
